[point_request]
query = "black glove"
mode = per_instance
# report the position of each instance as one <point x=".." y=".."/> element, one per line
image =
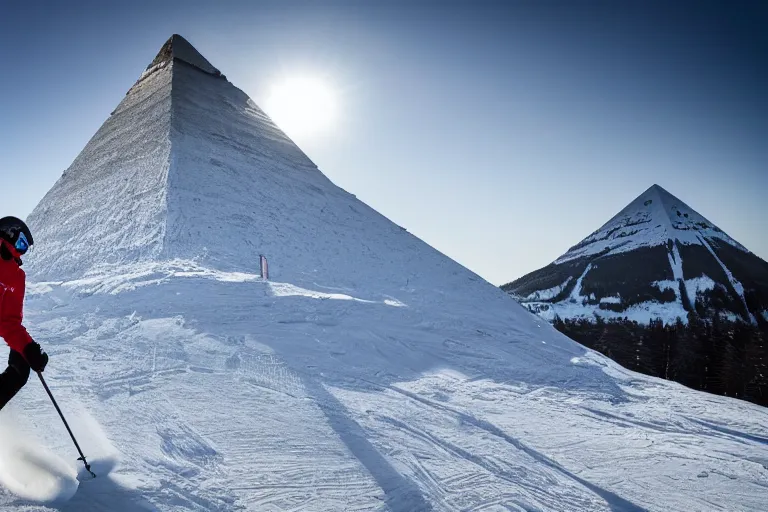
<point x="36" y="358"/>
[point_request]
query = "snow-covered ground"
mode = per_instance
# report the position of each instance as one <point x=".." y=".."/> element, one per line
<point x="642" y="313"/>
<point x="372" y="373"/>
<point x="549" y="293"/>
<point x="270" y="396"/>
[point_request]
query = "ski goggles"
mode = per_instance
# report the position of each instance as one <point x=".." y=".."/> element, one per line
<point x="22" y="244"/>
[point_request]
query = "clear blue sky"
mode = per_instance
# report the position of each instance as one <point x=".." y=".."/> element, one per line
<point x="501" y="133"/>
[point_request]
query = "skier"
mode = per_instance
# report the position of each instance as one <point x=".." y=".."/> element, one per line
<point x="26" y="354"/>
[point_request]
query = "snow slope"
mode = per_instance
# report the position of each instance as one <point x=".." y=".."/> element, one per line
<point x="372" y="373"/>
<point x="258" y="399"/>
<point x="110" y="205"/>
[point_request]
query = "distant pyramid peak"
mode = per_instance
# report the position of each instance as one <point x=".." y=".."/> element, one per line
<point x="653" y="218"/>
<point x="176" y="47"/>
<point x="664" y="208"/>
<point x="656" y="258"/>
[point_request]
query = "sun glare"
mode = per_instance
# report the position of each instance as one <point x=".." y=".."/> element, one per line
<point x="302" y="106"/>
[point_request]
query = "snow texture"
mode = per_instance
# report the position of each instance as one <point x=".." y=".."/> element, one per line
<point x="676" y="262"/>
<point x="652" y="219"/>
<point x="179" y="48"/>
<point x="549" y="293"/>
<point x="643" y="313"/>
<point x="698" y="286"/>
<point x="219" y="392"/>
<point x="576" y="292"/>
<point x="371" y="373"/>
<point x="30" y="471"/>
<point x="110" y="205"/>
<point x="668" y="285"/>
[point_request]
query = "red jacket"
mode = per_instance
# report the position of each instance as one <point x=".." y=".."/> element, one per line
<point x="12" y="286"/>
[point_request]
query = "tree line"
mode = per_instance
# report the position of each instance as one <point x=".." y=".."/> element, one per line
<point x="718" y="356"/>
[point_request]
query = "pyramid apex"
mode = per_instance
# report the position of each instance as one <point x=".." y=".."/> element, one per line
<point x="176" y="47"/>
<point x="661" y="193"/>
<point x="657" y="188"/>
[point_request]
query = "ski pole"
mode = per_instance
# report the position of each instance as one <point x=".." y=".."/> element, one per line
<point x="82" y="457"/>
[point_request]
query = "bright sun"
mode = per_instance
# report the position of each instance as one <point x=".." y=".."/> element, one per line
<point x="302" y="106"/>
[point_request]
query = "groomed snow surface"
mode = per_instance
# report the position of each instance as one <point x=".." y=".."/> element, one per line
<point x="195" y="389"/>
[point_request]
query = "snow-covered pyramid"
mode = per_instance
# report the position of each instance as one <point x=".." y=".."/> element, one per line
<point x="370" y="373"/>
<point x="187" y="166"/>
<point x="657" y="258"/>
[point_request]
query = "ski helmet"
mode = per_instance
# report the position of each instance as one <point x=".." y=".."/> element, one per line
<point x="16" y="232"/>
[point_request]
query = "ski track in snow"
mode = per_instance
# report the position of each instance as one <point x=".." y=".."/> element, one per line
<point x="268" y="400"/>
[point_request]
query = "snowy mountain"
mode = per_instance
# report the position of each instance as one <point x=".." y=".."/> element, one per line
<point x="370" y="372"/>
<point x="657" y="258"/>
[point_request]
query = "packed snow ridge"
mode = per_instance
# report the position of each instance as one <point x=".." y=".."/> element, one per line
<point x="371" y="372"/>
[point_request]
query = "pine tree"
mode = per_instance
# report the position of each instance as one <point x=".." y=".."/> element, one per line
<point x="717" y="356"/>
